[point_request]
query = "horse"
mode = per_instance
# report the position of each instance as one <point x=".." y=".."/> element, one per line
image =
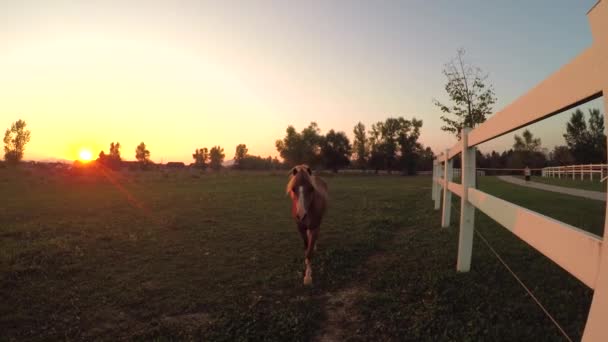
<point x="309" y="198"/>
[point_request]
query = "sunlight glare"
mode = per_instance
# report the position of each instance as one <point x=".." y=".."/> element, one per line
<point x="85" y="155"/>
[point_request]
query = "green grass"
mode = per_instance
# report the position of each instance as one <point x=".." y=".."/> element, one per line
<point x="217" y="257"/>
<point x="580" y="212"/>
<point x="587" y="184"/>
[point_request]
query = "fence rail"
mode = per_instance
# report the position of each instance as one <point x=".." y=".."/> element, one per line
<point x="582" y="254"/>
<point x="576" y="171"/>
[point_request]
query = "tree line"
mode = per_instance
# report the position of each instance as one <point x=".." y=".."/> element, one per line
<point x="390" y="145"/>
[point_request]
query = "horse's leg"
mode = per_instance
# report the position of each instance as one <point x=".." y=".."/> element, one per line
<point x="302" y="230"/>
<point x="312" y="239"/>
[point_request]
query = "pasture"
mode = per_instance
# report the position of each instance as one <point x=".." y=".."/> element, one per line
<point x="586" y="184"/>
<point x="146" y="255"/>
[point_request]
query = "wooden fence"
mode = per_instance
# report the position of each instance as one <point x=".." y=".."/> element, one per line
<point x="577" y="171"/>
<point x="582" y="254"/>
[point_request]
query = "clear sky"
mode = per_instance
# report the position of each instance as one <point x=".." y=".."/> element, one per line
<point x="185" y="74"/>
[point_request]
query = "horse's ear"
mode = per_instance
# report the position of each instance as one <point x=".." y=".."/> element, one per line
<point x="293" y="171"/>
<point x="309" y="171"/>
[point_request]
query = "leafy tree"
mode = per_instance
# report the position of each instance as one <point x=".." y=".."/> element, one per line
<point x="471" y="98"/>
<point x="15" y="139"/>
<point x="115" y="151"/>
<point x="527" y="152"/>
<point x="301" y="148"/>
<point x="201" y="156"/>
<point x="240" y="154"/>
<point x="526" y="144"/>
<point x="389" y="132"/>
<point x="112" y="159"/>
<point x="425" y="162"/>
<point x="376" y="157"/>
<point x="409" y="148"/>
<point x="335" y="150"/>
<point x="394" y="144"/>
<point x="311" y="143"/>
<point x="142" y="154"/>
<point x="597" y="136"/>
<point x="290" y="148"/>
<point x="587" y="143"/>
<point x="561" y="155"/>
<point x="360" y="146"/>
<point x="216" y="157"/>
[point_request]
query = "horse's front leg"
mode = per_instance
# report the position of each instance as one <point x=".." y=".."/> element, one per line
<point x="302" y="230"/>
<point x="313" y="234"/>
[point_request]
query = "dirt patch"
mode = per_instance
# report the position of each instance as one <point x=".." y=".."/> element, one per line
<point x="342" y="315"/>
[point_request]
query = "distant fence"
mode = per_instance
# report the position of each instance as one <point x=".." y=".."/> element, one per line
<point x="582" y="254"/>
<point x="576" y="171"/>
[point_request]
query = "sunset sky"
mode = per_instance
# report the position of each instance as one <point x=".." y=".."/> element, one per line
<point x="180" y="75"/>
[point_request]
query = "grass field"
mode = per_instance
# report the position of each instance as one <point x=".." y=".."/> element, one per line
<point x="587" y="184"/>
<point x="216" y="257"/>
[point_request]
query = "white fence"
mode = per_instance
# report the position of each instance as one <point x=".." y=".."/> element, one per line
<point x="583" y="255"/>
<point x="576" y="171"/>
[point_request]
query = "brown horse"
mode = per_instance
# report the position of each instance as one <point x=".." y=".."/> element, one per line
<point x="309" y="201"/>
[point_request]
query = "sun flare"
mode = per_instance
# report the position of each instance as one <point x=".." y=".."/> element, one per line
<point x="85" y="155"/>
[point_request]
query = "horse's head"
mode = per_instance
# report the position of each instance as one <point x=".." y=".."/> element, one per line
<point x="301" y="189"/>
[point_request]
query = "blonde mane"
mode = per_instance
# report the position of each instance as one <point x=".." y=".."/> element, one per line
<point x="320" y="189"/>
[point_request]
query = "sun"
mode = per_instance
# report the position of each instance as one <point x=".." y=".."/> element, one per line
<point x="85" y="155"/>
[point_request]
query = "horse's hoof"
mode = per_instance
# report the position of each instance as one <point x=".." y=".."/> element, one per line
<point x="307" y="281"/>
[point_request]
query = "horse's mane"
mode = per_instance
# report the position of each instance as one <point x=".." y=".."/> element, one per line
<point x="317" y="184"/>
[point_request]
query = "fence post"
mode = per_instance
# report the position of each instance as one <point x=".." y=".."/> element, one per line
<point x="437" y="187"/>
<point x="447" y="195"/>
<point x="573" y="172"/>
<point x="596" y="328"/>
<point x="434" y="185"/>
<point x="467" y="210"/>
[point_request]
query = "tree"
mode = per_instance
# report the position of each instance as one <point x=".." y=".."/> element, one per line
<point x="597" y="136"/>
<point x="409" y="148"/>
<point x="290" y="148"/>
<point x="471" y="98"/>
<point x="115" y="151"/>
<point x="216" y="157"/>
<point x="311" y="144"/>
<point x="111" y="160"/>
<point x="586" y="143"/>
<point x="389" y="132"/>
<point x="561" y="156"/>
<point x="142" y="154"/>
<point x="394" y="145"/>
<point x="360" y="146"/>
<point x="526" y="144"/>
<point x="240" y="154"/>
<point x="335" y="150"/>
<point x="425" y="162"/>
<point x="527" y="152"/>
<point x="376" y="157"/>
<point x="200" y="156"/>
<point x="301" y="148"/>
<point x="15" y="139"/>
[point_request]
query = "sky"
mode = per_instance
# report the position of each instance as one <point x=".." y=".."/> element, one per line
<point x="180" y="75"/>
